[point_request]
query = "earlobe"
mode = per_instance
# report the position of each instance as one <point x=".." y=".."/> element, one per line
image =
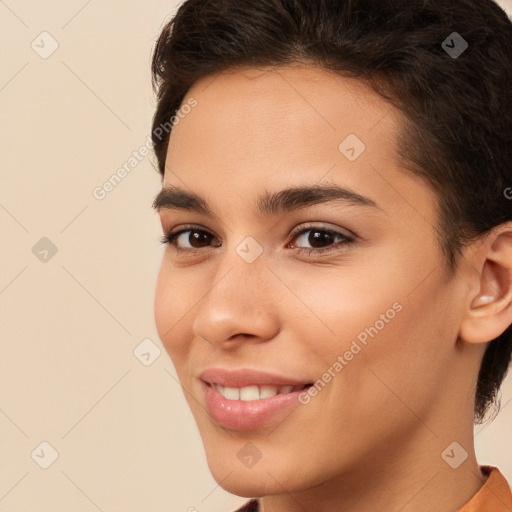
<point x="489" y="313"/>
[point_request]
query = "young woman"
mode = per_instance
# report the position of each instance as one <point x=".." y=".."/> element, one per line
<point x="336" y="293"/>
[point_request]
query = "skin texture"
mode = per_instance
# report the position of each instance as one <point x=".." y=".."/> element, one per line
<point x="372" y="439"/>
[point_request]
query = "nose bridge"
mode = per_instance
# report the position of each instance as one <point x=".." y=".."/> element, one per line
<point x="242" y="267"/>
<point x="239" y="301"/>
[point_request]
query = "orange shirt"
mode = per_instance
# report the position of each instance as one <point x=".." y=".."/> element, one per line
<point x="493" y="496"/>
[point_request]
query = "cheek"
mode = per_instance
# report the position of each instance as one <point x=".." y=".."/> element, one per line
<point x="340" y="305"/>
<point x="384" y="327"/>
<point x="170" y="309"/>
<point x="401" y="368"/>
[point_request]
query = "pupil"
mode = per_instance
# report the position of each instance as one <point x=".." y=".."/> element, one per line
<point x="197" y="238"/>
<point x="319" y="236"/>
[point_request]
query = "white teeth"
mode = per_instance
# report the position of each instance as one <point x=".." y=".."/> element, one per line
<point x="268" y="391"/>
<point x="232" y="393"/>
<point x="250" y="393"/>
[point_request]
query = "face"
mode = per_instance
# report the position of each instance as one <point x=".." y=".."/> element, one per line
<point x="338" y="292"/>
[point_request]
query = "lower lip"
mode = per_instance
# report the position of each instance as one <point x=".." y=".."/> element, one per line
<point x="244" y="415"/>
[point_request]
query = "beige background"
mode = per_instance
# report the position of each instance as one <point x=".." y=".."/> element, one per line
<point x="125" y="438"/>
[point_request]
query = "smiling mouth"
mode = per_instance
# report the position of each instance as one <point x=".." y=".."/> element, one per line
<point x="254" y="392"/>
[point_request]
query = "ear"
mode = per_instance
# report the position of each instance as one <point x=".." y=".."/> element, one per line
<point x="489" y="310"/>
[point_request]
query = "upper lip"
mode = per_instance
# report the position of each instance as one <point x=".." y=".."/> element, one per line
<point x="242" y="377"/>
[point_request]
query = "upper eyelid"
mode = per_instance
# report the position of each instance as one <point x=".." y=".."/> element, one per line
<point x="305" y="227"/>
<point x="294" y="231"/>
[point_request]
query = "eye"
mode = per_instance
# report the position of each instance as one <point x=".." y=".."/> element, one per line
<point x="321" y="239"/>
<point x="193" y="236"/>
<point x="191" y="239"/>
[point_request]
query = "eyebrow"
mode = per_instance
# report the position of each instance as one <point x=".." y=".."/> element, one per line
<point x="270" y="203"/>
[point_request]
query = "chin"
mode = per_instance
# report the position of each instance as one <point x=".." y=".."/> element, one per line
<point x="245" y="488"/>
<point x="263" y="479"/>
<point x="246" y="484"/>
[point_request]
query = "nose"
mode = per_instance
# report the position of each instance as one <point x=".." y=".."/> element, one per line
<point x="240" y="305"/>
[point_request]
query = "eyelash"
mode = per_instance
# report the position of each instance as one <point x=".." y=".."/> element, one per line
<point x="170" y="239"/>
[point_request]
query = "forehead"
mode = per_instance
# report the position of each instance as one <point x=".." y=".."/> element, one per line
<point x="301" y="107"/>
<point x="307" y="100"/>
<point x="294" y="83"/>
<point x="256" y="128"/>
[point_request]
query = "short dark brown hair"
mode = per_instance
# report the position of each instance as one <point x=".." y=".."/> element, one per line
<point x="457" y="122"/>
